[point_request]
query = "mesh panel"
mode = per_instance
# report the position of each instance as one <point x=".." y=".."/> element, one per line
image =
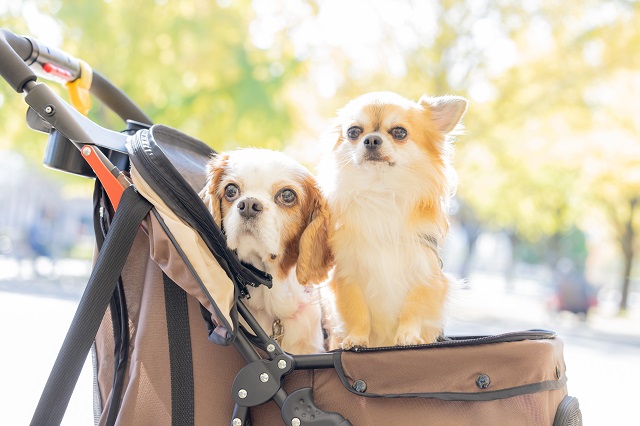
<point x="575" y="418"/>
<point x="568" y="413"/>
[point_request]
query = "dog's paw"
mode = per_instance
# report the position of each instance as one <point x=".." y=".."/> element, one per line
<point x="350" y="342"/>
<point x="431" y="334"/>
<point x="408" y="338"/>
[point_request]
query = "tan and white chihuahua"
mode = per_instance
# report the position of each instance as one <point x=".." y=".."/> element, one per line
<point x="388" y="180"/>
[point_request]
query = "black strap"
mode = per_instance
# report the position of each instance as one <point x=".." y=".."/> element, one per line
<point x="93" y="304"/>
<point x="119" y="317"/>
<point x="180" y="359"/>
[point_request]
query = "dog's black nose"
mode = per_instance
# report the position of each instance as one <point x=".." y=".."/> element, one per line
<point x="372" y="142"/>
<point x="249" y="207"/>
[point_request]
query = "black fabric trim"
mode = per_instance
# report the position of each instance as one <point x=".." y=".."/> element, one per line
<point x="180" y="356"/>
<point x="514" y="336"/>
<point x="95" y="299"/>
<point x="120" y="321"/>
<point x="99" y="233"/>
<point x="481" y="395"/>
<point x="158" y="172"/>
<point x="213" y="336"/>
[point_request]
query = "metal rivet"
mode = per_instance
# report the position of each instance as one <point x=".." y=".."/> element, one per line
<point x="295" y="421"/>
<point x="49" y="110"/>
<point x="360" y="386"/>
<point x="236" y="422"/>
<point x="282" y="364"/>
<point x="242" y="393"/>
<point x="271" y="347"/>
<point x="558" y="373"/>
<point x="483" y="381"/>
<point x="86" y="151"/>
<point x="264" y="377"/>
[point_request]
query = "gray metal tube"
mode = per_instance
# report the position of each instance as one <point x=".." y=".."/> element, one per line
<point x="70" y="123"/>
<point x="116" y="100"/>
<point x="43" y="55"/>
<point x="21" y="54"/>
<point x="14" y="50"/>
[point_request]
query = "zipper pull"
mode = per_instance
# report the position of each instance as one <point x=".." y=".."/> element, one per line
<point x="244" y="292"/>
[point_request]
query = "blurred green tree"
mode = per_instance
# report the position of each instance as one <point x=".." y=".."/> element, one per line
<point x="552" y="129"/>
<point x="559" y="139"/>
<point x="190" y="65"/>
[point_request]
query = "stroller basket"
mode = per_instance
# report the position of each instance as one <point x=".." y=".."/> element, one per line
<point x="163" y="307"/>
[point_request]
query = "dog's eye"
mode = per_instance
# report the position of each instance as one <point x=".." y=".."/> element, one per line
<point x="231" y="192"/>
<point x="398" y="133"/>
<point x="354" y="132"/>
<point x="286" y="197"/>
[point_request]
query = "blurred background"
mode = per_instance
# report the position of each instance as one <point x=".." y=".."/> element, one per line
<point x="547" y="214"/>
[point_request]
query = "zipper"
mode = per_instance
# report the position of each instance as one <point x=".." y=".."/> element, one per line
<point x="242" y="276"/>
<point x="470" y="341"/>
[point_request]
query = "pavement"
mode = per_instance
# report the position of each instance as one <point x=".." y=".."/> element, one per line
<point x="602" y="354"/>
<point x="32" y="331"/>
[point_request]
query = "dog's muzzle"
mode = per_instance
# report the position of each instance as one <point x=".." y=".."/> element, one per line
<point x="373" y="150"/>
<point x="372" y="143"/>
<point x="249" y="207"/>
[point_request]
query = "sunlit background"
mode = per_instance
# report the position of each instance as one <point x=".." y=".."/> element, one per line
<point x="546" y="215"/>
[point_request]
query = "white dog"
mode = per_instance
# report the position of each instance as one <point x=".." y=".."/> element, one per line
<point x="274" y="217"/>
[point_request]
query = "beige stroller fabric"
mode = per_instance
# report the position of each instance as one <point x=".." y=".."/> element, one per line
<point x="208" y="270"/>
<point x="146" y="397"/>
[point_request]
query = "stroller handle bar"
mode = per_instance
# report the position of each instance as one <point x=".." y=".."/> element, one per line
<point x="14" y="51"/>
<point x="52" y="63"/>
<point x="23" y="58"/>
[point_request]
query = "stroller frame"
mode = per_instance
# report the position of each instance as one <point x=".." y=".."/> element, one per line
<point x="79" y="146"/>
<point x="261" y="379"/>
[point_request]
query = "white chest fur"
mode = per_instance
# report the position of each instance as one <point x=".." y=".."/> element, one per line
<point x="377" y="247"/>
<point x="298" y="310"/>
<point x="282" y="300"/>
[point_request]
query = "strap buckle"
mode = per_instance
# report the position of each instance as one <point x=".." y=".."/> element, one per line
<point x="277" y="331"/>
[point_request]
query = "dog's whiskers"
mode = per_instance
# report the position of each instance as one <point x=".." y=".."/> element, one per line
<point x="343" y="161"/>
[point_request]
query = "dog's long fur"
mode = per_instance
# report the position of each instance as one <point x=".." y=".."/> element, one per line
<point x="385" y="202"/>
<point x="289" y="241"/>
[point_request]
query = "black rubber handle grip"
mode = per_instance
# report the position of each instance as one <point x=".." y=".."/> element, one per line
<point x="14" y="50"/>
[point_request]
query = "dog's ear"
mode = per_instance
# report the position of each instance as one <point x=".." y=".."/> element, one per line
<point x="210" y="194"/>
<point x="445" y="111"/>
<point x="332" y="137"/>
<point x="314" y="257"/>
<point x="336" y="133"/>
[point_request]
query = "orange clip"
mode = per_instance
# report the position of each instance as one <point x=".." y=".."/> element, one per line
<point x="111" y="184"/>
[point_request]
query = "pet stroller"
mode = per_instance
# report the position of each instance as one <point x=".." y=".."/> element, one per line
<point x="161" y="311"/>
